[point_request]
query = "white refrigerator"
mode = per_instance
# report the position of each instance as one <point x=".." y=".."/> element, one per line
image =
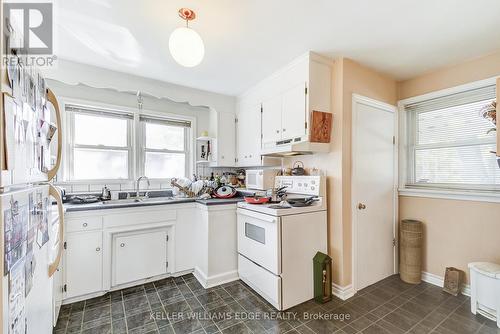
<point x="32" y="242"/>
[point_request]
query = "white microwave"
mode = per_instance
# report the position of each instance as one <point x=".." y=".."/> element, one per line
<point x="260" y="179"/>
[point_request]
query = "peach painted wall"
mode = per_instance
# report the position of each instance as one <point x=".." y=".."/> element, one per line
<point x="456" y="232"/>
<point x="348" y="78"/>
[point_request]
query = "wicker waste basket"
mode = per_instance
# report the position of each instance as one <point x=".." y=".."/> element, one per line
<point x="410" y="251"/>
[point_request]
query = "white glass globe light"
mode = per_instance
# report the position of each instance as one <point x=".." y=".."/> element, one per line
<point x="186" y="47"/>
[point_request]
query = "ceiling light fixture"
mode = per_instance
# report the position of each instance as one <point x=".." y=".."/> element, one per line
<point x="185" y="44"/>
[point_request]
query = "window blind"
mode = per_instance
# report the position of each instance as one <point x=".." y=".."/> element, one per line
<point x="93" y="111"/>
<point x="165" y="121"/>
<point x="448" y="142"/>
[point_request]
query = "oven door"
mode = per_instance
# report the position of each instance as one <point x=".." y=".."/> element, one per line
<point x="259" y="239"/>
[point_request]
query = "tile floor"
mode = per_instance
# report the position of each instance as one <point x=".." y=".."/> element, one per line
<point x="182" y="305"/>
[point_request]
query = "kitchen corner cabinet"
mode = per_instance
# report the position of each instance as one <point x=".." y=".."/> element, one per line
<point x="83" y="262"/>
<point x="288" y="97"/>
<point x="223" y="130"/>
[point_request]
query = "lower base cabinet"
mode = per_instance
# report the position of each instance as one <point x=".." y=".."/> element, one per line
<point x="139" y="255"/>
<point x="83" y="261"/>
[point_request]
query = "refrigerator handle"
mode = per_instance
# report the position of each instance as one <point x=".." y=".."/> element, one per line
<point x="52" y="99"/>
<point x="54" y="193"/>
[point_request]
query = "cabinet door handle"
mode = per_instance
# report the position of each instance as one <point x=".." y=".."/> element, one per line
<point x="98" y="249"/>
<point x="277" y="131"/>
<point x="122" y="245"/>
<point x="85" y="224"/>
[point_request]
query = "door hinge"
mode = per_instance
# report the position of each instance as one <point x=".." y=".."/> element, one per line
<point x="65" y="288"/>
<point x="236" y="120"/>
<point x="261" y="109"/>
<point x="167" y="237"/>
<point x="65" y="245"/>
<point x="394" y="242"/>
<point x="394" y="140"/>
<point x="306" y="90"/>
<point x="305" y="125"/>
<point x="167" y="264"/>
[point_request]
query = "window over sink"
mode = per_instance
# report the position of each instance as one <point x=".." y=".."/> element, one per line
<point x="165" y="147"/>
<point x="106" y="144"/>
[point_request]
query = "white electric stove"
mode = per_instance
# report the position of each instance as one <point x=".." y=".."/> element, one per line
<point x="276" y="245"/>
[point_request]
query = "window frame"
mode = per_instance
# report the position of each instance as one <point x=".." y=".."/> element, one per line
<point x="141" y="161"/>
<point x="407" y="158"/>
<point x="136" y="168"/>
<point x="72" y="145"/>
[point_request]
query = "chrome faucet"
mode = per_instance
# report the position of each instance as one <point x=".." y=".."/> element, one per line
<point x="137" y="186"/>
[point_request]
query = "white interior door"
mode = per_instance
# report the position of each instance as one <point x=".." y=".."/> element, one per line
<point x="373" y="191"/>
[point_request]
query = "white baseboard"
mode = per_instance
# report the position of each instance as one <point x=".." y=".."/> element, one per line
<point x="343" y="292"/>
<point x="439" y="281"/>
<point x="209" y="282"/>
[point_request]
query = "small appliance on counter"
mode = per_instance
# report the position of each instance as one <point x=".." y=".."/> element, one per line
<point x="260" y="179"/>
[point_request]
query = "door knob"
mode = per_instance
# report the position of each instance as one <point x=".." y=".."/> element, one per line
<point x="361" y="206"/>
<point x="122" y="245"/>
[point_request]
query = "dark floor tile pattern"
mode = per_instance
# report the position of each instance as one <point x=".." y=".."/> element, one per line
<point x="182" y="306"/>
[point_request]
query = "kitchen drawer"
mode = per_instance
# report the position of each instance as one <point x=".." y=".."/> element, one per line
<point x="83" y="224"/>
<point x="262" y="281"/>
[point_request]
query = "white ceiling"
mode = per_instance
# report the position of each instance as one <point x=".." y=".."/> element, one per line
<point x="246" y="40"/>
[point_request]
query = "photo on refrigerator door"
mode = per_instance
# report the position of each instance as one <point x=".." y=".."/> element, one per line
<point x="29" y="271"/>
<point x="32" y="225"/>
<point x="43" y="225"/>
<point x="17" y="314"/>
<point x="16" y="227"/>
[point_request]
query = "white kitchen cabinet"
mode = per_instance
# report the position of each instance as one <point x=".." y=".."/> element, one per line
<point x="223" y="131"/>
<point x="248" y="130"/>
<point x="288" y="98"/>
<point x="216" y="245"/>
<point x="139" y="254"/>
<point x="271" y="119"/>
<point x="186" y="247"/>
<point x="83" y="263"/>
<point x="293" y="112"/>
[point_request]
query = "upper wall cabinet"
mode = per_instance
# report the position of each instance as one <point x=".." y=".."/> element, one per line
<point x="287" y="99"/>
<point x="248" y="135"/>
<point x="223" y="130"/>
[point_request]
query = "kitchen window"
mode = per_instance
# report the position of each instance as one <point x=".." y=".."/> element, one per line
<point x="449" y="144"/>
<point x="107" y="145"/>
<point x="165" y="151"/>
<point x="101" y="144"/>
